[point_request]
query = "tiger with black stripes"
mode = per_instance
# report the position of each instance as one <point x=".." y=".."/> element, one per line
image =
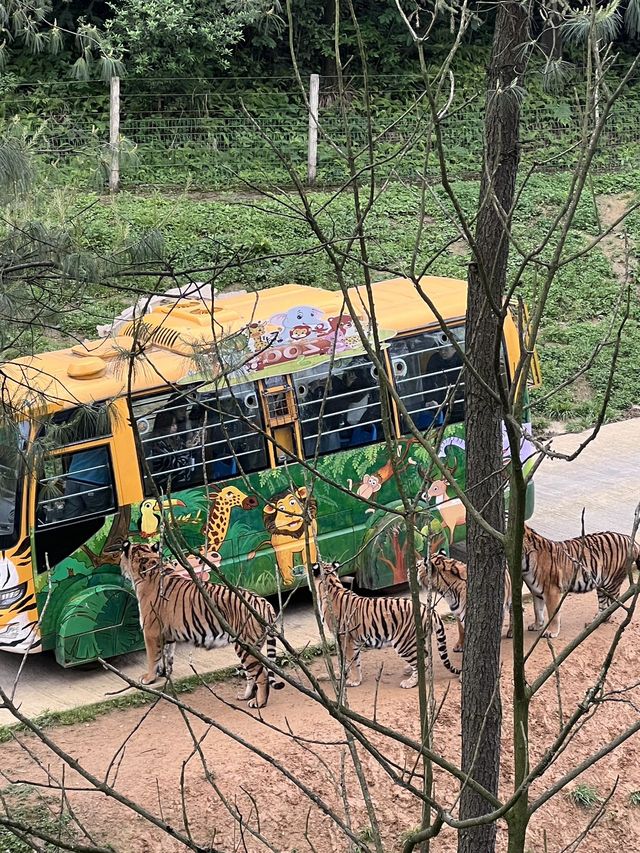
<point x="173" y="610"/>
<point x="449" y="578"/>
<point x="358" y="622"/>
<point x="599" y="561"/>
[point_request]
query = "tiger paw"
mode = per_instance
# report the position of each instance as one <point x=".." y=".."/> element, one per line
<point x="534" y="627"/>
<point x="351" y="683"/>
<point x="410" y="682"/>
<point x="457" y="648"/>
<point x="149" y="679"/>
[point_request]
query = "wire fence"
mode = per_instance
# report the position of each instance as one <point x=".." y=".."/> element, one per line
<point x="221" y="134"/>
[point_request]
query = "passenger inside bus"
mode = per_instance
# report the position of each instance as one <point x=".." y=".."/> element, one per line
<point x="351" y="410"/>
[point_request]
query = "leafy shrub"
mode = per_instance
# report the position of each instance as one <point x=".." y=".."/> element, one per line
<point x="584" y="796"/>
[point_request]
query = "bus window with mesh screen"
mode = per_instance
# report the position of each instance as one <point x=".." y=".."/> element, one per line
<point x="339" y="408"/>
<point x="232" y="432"/>
<point x="428" y="375"/>
<point x="181" y="433"/>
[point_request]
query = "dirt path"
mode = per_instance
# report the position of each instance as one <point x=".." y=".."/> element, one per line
<point x="159" y="744"/>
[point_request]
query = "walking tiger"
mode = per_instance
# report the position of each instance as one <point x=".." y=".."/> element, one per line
<point x="599" y="561"/>
<point x="449" y="578"/>
<point x="358" y="622"/>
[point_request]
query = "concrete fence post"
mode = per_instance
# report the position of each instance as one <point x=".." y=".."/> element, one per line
<point x="114" y="135"/>
<point x="312" y="152"/>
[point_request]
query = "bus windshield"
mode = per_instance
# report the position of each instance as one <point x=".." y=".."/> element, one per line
<point x="13" y="439"/>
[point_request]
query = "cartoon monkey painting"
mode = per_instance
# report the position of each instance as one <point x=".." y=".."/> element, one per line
<point x="297" y="333"/>
<point x="371" y="483"/>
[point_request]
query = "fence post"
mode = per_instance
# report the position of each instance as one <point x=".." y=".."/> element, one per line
<point x="114" y="135"/>
<point x="312" y="152"/>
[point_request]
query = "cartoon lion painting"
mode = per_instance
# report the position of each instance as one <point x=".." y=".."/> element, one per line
<point x="290" y="534"/>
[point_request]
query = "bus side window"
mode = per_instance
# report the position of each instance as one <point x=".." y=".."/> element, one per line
<point x="427" y="372"/>
<point x="75" y="494"/>
<point x="232" y="433"/>
<point x="180" y="433"/>
<point x="75" y="486"/>
<point x="165" y="435"/>
<point x="350" y="416"/>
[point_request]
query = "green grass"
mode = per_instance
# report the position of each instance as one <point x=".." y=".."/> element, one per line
<point x="137" y="698"/>
<point x="634" y="798"/>
<point x="584" y="796"/>
<point x="25" y="806"/>
<point x="364" y="834"/>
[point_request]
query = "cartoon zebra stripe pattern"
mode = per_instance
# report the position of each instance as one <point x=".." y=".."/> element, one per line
<point x="449" y="578"/>
<point x="358" y="622"/>
<point x="597" y="561"/>
<point x="172" y="610"/>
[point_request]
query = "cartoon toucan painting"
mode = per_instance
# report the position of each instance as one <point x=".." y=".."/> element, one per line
<point x="151" y="515"/>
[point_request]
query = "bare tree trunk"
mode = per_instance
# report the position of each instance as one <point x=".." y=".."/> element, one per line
<point x="481" y="705"/>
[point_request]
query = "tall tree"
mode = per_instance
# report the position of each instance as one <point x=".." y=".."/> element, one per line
<point x="481" y="705"/>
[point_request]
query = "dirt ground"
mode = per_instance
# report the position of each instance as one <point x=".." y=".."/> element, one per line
<point x="155" y="744"/>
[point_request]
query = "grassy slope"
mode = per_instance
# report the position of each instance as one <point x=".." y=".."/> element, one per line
<point x="578" y="311"/>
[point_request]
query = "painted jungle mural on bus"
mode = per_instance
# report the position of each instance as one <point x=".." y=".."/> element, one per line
<point x="253" y="530"/>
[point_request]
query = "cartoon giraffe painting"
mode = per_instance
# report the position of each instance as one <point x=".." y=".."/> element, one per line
<point x="223" y="500"/>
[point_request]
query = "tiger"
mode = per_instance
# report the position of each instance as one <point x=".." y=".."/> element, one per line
<point x="172" y="610"/>
<point x="550" y="569"/>
<point x="358" y="622"/>
<point x="449" y="578"/>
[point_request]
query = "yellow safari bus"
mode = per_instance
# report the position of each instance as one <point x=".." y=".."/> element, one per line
<point x="113" y="435"/>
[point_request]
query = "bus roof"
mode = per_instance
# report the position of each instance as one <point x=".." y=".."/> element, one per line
<point x="98" y="370"/>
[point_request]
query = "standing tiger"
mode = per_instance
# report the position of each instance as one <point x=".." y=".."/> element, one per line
<point x="449" y="578"/>
<point x="358" y="622"/>
<point x="173" y="610"/>
<point x="597" y="561"/>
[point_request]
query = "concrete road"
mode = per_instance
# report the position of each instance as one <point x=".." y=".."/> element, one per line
<point x="604" y="480"/>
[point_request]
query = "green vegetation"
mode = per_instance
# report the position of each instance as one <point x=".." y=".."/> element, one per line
<point x="275" y="250"/>
<point x="634" y="798"/>
<point x="26" y="806"/>
<point x="220" y="134"/>
<point x="584" y="796"/>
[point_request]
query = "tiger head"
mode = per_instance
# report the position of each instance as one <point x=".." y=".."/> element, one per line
<point x="325" y="578"/>
<point x="139" y="559"/>
<point x="323" y="570"/>
<point x="447" y="575"/>
<point x="285" y="512"/>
